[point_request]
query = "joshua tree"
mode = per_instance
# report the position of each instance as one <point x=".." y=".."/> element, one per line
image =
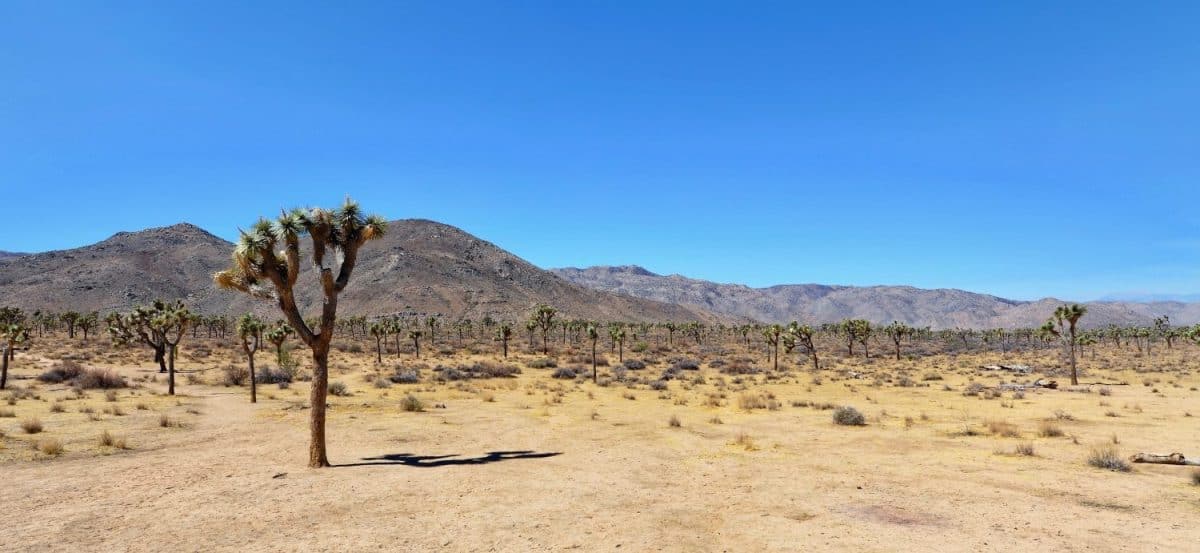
<point x="87" y="322"/>
<point x="260" y="269"/>
<point x="1067" y="316"/>
<point x="593" y="334"/>
<point x="503" y="333"/>
<point x="379" y="331"/>
<point x="898" y="332"/>
<point x="278" y="336"/>
<point x="415" y="336"/>
<point x="531" y="327"/>
<point x="856" y="330"/>
<point x="804" y="335"/>
<point x="250" y="331"/>
<point x="11" y="335"/>
<point x="617" y="334"/>
<point x="432" y="324"/>
<point x="771" y="335"/>
<point x="671" y="327"/>
<point x="161" y="326"/>
<point x="543" y="318"/>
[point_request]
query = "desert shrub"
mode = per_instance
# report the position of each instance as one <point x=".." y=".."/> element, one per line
<point x="674" y="422"/>
<point x="281" y="375"/>
<point x="905" y="382"/>
<point x="339" y="389"/>
<point x="634" y="364"/>
<point x="57" y="407"/>
<point x="931" y="376"/>
<point x="1048" y="429"/>
<point x="481" y="369"/>
<point x="235" y="375"/>
<point x="973" y="389"/>
<point x="542" y="363"/>
<point x="1196" y="477"/>
<point x="1105" y="391"/>
<point x="685" y="365"/>
<point x="716" y="363"/>
<point x="659" y="385"/>
<point x="1025" y="449"/>
<point x="739" y="367"/>
<point x="1003" y="428"/>
<point x="405" y="375"/>
<point x="670" y="373"/>
<point x="1106" y="457"/>
<point x="50" y="446"/>
<point x="31" y="426"/>
<point x="565" y="373"/>
<point x="8" y="413"/>
<point x="412" y="404"/>
<point x="848" y="416"/>
<point x="61" y="372"/>
<point x="639" y="347"/>
<point x="382" y="383"/>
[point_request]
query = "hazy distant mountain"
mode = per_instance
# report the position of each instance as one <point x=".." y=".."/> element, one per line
<point x="418" y="266"/>
<point x="6" y="255"/>
<point x="1148" y="297"/>
<point x="818" y="303"/>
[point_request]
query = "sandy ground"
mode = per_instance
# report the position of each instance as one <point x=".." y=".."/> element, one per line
<point x="550" y="465"/>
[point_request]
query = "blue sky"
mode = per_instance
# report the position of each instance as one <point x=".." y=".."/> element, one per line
<point x="1017" y="148"/>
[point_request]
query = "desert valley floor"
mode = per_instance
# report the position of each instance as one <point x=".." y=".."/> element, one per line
<point x="713" y="462"/>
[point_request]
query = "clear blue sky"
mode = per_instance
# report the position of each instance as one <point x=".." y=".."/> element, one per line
<point x="1018" y="148"/>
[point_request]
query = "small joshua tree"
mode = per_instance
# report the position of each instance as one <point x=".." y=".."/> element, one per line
<point x="250" y="332"/>
<point x="771" y="335"/>
<point x="593" y="334"/>
<point x="898" y="332"/>
<point x="543" y="318"/>
<point x="379" y="331"/>
<point x="266" y="264"/>
<point x="278" y="336"/>
<point x="415" y="336"/>
<point x="1066" y="318"/>
<point x="160" y="326"/>
<point x="617" y="334"/>
<point x="503" y="333"/>
<point x="11" y="336"/>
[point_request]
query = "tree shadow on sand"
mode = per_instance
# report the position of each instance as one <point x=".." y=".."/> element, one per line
<point x="428" y="461"/>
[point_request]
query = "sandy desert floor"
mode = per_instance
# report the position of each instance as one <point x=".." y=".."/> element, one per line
<point x="535" y="463"/>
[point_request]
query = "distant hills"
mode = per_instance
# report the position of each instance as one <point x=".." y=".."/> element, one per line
<point x="424" y="267"/>
<point x="417" y="267"/>
<point x="819" y="303"/>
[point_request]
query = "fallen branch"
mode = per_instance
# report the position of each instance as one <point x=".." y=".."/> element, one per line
<point x="1160" y="459"/>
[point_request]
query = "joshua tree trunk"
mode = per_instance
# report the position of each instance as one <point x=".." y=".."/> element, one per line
<point x="4" y="367"/>
<point x="316" y="397"/>
<point x="253" y="381"/>
<point x="621" y="356"/>
<point x="504" y="341"/>
<point x="593" y="361"/>
<point x="417" y="347"/>
<point x="171" y="372"/>
<point x="379" y="350"/>
<point x="776" y="355"/>
<point x="160" y="357"/>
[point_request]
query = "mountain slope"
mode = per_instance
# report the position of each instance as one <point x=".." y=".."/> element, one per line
<point x="815" y="303"/>
<point x="418" y="266"/>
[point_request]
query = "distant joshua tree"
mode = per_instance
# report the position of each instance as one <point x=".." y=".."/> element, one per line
<point x="160" y="326"/>
<point x="543" y="318"/>
<point x="250" y="332"/>
<point x="379" y="331"/>
<point x="593" y="334"/>
<point x="803" y="334"/>
<point x="1062" y="324"/>
<point x="898" y="332"/>
<point x="261" y="270"/>
<point x="278" y="335"/>
<point x="503" y="333"/>
<point x="617" y="334"/>
<point x="415" y="336"/>
<point x="771" y="335"/>
<point x="11" y="336"/>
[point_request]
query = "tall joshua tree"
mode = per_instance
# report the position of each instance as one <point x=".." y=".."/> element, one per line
<point x="262" y="270"/>
<point x="503" y="333"/>
<point x="804" y="335"/>
<point x="379" y="331"/>
<point x="771" y="335"/>
<point x="543" y="317"/>
<point x="250" y="332"/>
<point x="617" y="334"/>
<point x="11" y="335"/>
<point x="593" y="334"/>
<point x="1067" y="319"/>
<point x="160" y="326"/>
<point x="898" y="332"/>
<point x="415" y="336"/>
